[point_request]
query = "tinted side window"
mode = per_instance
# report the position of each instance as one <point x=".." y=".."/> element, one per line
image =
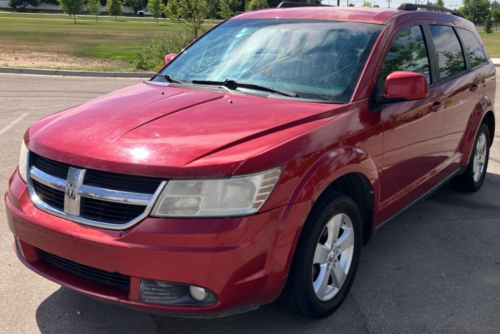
<point x="449" y="52"/>
<point x="407" y="53"/>
<point x="473" y="48"/>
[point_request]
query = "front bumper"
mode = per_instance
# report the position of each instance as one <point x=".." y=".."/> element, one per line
<point x="244" y="260"/>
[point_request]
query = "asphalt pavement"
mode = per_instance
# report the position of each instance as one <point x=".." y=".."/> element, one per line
<point x="436" y="269"/>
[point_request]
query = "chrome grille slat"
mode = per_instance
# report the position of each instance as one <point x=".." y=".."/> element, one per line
<point x="115" y="195"/>
<point x="47" y="180"/>
<point x="90" y="204"/>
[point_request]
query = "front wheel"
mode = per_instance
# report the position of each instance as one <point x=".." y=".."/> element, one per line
<point x="141" y="14"/>
<point x="326" y="258"/>
<point x="473" y="177"/>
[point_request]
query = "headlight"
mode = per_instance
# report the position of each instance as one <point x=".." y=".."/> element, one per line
<point x="23" y="162"/>
<point x="216" y="198"/>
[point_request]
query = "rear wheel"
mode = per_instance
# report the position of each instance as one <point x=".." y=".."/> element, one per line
<point x="141" y="14"/>
<point x="473" y="177"/>
<point x="326" y="258"/>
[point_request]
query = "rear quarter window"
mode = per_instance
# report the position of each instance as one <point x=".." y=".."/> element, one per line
<point x="473" y="48"/>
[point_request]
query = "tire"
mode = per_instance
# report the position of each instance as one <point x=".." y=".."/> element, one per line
<point x="141" y="14"/>
<point x="473" y="177"/>
<point x="316" y="254"/>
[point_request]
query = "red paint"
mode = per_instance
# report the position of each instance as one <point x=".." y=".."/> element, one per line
<point x="407" y="85"/>
<point x="402" y="151"/>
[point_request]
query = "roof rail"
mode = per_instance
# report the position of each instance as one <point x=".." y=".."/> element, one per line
<point x="412" y="7"/>
<point x="291" y="4"/>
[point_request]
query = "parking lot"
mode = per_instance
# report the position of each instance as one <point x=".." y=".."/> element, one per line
<point x="436" y="269"/>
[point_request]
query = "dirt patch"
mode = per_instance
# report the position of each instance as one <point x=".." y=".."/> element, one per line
<point x="34" y="59"/>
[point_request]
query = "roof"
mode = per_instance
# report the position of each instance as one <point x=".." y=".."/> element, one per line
<point x="327" y="13"/>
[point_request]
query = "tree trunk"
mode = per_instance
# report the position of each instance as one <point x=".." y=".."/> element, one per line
<point x="74" y="18"/>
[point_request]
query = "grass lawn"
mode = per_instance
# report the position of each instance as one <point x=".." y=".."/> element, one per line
<point x="113" y="42"/>
<point x="54" y="41"/>
<point x="492" y="42"/>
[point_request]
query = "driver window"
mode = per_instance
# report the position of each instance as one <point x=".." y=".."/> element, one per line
<point x="407" y="53"/>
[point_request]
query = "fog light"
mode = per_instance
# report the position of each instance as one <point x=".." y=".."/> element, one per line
<point x="197" y="293"/>
<point x="167" y="293"/>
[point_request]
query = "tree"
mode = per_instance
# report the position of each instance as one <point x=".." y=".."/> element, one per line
<point x="475" y="10"/>
<point x="114" y="8"/>
<point x="257" y="4"/>
<point x="72" y="7"/>
<point x="495" y="13"/>
<point x="376" y="6"/>
<point x="155" y="8"/>
<point x="23" y="3"/>
<point x="367" y="4"/>
<point x="135" y="4"/>
<point x="189" y="12"/>
<point x="94" y="7"/>
<point x="438" y="3"/>
<point x="236" y="5"/>
<point x="487" y="24"/>
<point x="225" y="10"/>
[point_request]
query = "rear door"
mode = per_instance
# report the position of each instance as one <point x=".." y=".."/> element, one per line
<point x="413" y="129"/>
<point x="460" y="84"/>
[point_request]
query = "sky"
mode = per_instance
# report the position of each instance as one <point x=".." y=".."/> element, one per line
<point x="451" y="4"/>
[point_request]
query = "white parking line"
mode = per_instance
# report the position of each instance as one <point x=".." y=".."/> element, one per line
<point x="14" y="122"/>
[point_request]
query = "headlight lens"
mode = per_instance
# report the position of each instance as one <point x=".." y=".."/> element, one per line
<point x="216" y="198"/>
<point x="23" y="162"/>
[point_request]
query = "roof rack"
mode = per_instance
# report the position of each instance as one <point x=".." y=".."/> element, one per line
<point x="291" y="4"/>
<point x="412" y="7"/>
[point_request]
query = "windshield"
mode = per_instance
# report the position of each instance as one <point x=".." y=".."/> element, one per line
<point x="319" y="60"/>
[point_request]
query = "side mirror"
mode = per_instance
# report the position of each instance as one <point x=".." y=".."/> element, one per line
<point x="404" y="86"/>
<point x="168" y="58"/>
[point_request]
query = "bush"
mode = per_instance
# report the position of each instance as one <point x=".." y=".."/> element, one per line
<point x="152" y="57"/>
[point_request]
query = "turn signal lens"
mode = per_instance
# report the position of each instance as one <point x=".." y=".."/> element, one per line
<point x="23" y="162"/>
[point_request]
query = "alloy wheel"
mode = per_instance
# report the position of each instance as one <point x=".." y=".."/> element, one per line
<point x="333" y="257"/>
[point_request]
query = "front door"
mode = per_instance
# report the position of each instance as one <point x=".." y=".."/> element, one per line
<point x="412" y="130"/>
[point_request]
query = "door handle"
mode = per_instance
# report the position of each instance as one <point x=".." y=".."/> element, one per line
<point x="436" y="105"/>
<point x="473" y="88"/>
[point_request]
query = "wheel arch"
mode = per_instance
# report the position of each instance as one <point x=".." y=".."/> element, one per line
<point x="489" y="119"/>
<point x="349" y="171"/>
<point x="482" y="113"/>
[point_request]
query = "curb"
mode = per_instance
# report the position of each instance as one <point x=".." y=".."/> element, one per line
<point x="18" y="70"/>
<point x="143" y="75"/>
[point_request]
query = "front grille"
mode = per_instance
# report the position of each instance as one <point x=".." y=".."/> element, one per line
<point x="50" y="167"/>
<point x="113" y="279"/>
<point x="109" y="200"/>
<point x="51" y="196"/>
<point x="114" y="213"/>
<point x="122" y="182"/>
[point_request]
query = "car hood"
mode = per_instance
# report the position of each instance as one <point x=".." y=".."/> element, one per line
<point x="168" y="132"/>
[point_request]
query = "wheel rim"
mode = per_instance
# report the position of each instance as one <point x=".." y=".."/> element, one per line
<point x="333" y="257"/>
<point x="479" y="157"/>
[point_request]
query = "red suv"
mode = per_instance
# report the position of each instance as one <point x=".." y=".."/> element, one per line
<point x="256" y="163"/>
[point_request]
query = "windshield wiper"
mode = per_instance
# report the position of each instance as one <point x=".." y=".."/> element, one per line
<point x="233" y="84"/>
<point x="169" y="78"/>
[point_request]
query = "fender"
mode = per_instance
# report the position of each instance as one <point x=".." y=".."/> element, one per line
<point x="475" y="120"/>
<point x="320" y="175"/>
<point x="332" y="166"/>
